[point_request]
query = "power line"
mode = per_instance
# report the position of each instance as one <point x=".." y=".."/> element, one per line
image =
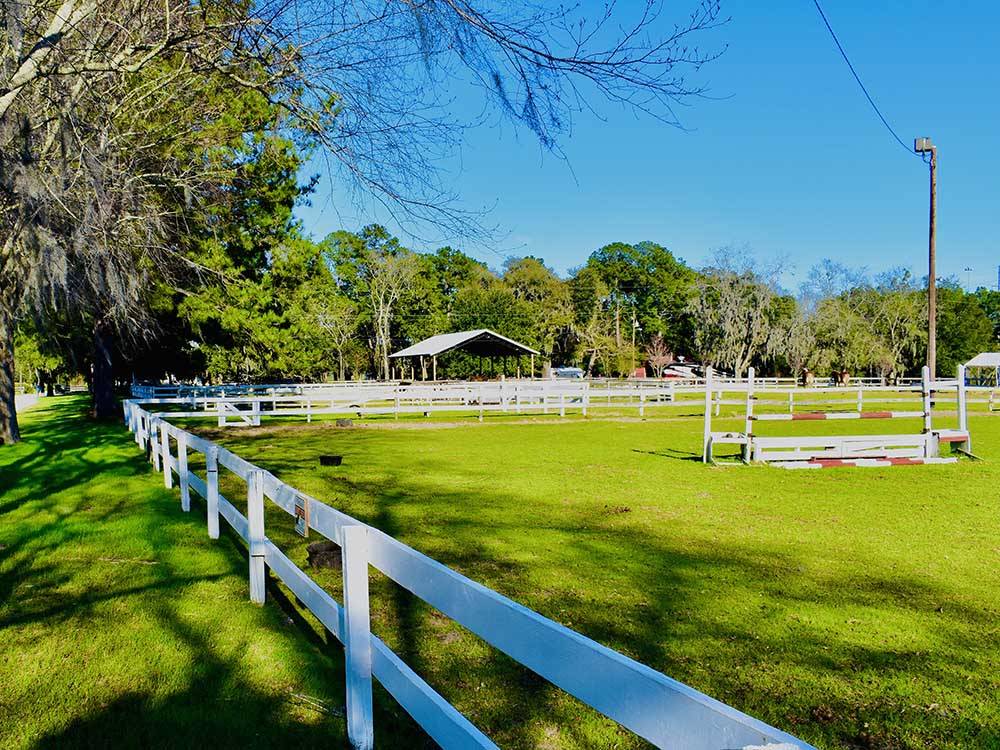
<point x="858" y="79"/>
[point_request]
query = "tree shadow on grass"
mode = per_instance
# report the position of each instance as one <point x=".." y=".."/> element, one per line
<point x="666" y="620"/>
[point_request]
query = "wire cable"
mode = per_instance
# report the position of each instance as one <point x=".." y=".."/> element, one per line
<point x="858" y="79"/>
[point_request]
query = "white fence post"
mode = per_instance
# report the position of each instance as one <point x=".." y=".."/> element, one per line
<point x="153" y="443"/>
<point x="357" y="638"/>
<point x="861" y="402"/>
<point x="168" y="477"/>
<point x="642" y="404"/>
<point x="748" y="425"/>
<point x="255" y="516"/>
<point x="931" y="448"/>
<point x="706" y="438"/>
<point x="963" y="409"/>
<point x="182" y="471"/>
<point x="212" y="490"/>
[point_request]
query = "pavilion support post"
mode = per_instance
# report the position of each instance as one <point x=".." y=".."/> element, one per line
<point x="423" y="368"/>
<point x="532" y="365"/>
<point x="434" y="367"/>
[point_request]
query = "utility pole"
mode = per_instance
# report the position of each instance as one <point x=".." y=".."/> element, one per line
<point x="924" y="146"/>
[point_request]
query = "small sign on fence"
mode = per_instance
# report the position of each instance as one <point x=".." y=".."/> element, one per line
<point x="302" y="515"/>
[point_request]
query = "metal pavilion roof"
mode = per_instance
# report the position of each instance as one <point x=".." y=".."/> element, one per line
<point x="481" y="341"/>
<point x="986" y="359"/>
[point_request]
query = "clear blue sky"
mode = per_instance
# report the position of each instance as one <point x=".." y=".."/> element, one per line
<point x="792" y="161"/>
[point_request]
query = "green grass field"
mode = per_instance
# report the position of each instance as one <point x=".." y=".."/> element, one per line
<point x="855" y="608"/>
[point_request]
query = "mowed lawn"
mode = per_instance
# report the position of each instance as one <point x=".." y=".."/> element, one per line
<point x="856" y="608"/>
<point x="122" y="625"/>
<point x="852" y="607"/>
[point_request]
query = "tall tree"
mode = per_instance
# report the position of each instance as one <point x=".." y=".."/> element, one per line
<point x="375" y="270"/>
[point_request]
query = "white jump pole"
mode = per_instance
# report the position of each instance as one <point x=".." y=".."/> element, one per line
<point x="748" y="423"/>
<point x="708" y="416"/>
<point x="925" y="384"/>
<point x="963" y="413"/>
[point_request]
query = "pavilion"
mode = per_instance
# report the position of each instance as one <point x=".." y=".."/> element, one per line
<point x="986" y="367"/>
<point x="482" y="342"/>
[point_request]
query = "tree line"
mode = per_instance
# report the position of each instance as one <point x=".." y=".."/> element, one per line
<point x="284" y="307"/>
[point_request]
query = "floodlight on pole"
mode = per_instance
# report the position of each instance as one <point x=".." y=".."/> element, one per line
<point x="924" y="146"/>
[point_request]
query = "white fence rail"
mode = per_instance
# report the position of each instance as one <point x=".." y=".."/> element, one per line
<point x="245" y="405"/>
<point x="663" y="711"/>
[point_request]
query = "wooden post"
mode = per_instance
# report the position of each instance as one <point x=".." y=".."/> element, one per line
<point x="255" y="515"/>
<point x="480" y="402"/>
<point x="434" y="368"/>
<point x="309" y="410"/>
<point x="357" y="638"/>
<point x="861" y="402"/>
<point x="168" y="477"/>
<point x="182" y="471"/>
<point x="562" y="404"/>
<point x="707" y="433"/>
<point x="642" y="403"/>
<point x="791" y="402"/>
<point x="718" y="401"/>
<point x="212" y="482"/>
<point x="586" y="397"/>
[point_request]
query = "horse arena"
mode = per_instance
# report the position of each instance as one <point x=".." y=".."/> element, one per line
<point x="171" y="423"/>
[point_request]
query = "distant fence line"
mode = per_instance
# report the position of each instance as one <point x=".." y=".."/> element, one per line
<point x="246" y="405"/>
<point x="655" y="707"/>
<point x="633" y="385"/>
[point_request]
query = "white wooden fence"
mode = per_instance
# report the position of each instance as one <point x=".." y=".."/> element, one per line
<point x="663" y="711"/>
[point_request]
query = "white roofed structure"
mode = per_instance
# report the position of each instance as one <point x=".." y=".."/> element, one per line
<point x="988" y="362"/>
<point x="480" y="342"/>
<point x="986" y="359"/>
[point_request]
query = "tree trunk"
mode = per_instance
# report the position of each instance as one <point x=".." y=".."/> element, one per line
<point x="9" y="432"/>
<point x="104" y="374"/>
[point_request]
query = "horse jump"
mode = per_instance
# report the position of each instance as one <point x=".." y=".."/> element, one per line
<point x="816" y="452"/>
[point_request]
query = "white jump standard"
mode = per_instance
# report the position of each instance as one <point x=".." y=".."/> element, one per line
<point x="816" y="452"/>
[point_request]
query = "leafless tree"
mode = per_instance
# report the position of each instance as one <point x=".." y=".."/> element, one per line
<point x="387" y="276"/>
<point x="658" y="354"/>
<point x="338" y="318"/>
<point x="731" y="322"/>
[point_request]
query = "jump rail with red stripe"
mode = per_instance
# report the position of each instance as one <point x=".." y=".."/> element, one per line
<point x="842" y="450"/>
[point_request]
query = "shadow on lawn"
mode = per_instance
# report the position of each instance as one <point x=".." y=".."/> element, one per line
<point x="42" y="584"/>
<point x="666" y="621"/>
<point x="624" y="586"/>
